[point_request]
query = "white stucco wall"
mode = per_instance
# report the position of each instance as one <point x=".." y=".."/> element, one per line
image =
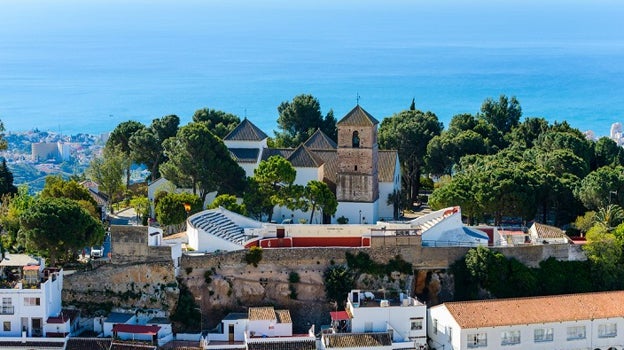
<point x="451" y="336"/>
<point x="357" y="213"/>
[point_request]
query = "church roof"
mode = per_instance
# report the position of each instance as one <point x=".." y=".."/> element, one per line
<point x="358" y="117"/>
<point x="244" y="155"/>
<point x="319" y="140"/>
<point x="269" y="152"/>
<point x="246" y="131"/>
<point x="301" y="157"/>
<point x="386" y="165"/>
<point x="330" y="159"/>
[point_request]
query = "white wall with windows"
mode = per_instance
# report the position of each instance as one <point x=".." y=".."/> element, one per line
<point x="25" y="310"/>
<point x="602" y="334"/>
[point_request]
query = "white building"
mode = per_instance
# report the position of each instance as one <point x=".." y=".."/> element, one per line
<point x="138" y="326"/>
<point x="593" y="321"/>
<point x="268" y="328"/>
<point x="31" y="299"/>
<point x="381" y="323"/>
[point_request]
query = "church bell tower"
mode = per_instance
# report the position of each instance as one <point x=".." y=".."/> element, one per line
<point x="357" y="179"/>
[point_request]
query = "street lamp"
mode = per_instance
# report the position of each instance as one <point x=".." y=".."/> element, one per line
<point x="187" y="208"/>
<point x="360" y="215"/>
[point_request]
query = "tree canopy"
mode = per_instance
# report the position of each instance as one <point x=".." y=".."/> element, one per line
<point x="300" y="118"/>
<point x="273" y="179"/>
<point x="218" y="122"/>
<point x="199" y="160"/>
<point x="409" y="132"/>
<point x="119" y="141"/>
<point x="146" y="144"/>
<point x="59" y="227"/>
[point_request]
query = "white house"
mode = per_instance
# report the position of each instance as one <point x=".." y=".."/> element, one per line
<point x="31" y="299"/>
<point x="378" y="321"/>
<point x="268" y="328"/>
<point x="138" y="326"/>
<point x="592" y="321"/>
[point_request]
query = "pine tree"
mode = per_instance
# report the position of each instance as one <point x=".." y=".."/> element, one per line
<point x="6" y="179"/>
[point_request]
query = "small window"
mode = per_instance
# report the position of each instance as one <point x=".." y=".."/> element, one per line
<point x="32" y="301"/>
<point x="543" y="335"/>
<point x="575" y="333"/>
<point x="6" y="326"/>
<point x="355" y="140"/>
<point x="417" y="323"/>
<point x="608" y="330"/>
<point x="477" y="340"/>
<point x="356" y="168"/>
<point x="510" y="337"/>
<point x="435" y="326"/>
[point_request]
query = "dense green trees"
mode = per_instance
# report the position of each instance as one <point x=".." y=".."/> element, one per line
<point x="229" y="202"/>
<point x="318" y="195"/>
<point x="146" y="144"/>
<point x="300" y="118"/>
<point x="6" y="179"/>
<point x="199" y="160"/>
<point x="219" y="122"/>
<point x="271" y="182"/>
<point x="409" y="132"/>
<point x="485" y="273"/>
<point x="119" y="141"/>
<point x="107" y="171"/>
<point x="56" y="187"/>
<point x="170" y="207"/>
<point x="59" y="227"/>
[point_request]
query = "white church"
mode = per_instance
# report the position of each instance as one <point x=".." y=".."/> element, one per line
<point x="361" y="175"/>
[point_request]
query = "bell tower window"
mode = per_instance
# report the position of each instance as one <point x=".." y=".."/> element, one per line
<point x="355" y="140"/>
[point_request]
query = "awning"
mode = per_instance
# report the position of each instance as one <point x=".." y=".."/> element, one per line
<point x="339" y="315"/>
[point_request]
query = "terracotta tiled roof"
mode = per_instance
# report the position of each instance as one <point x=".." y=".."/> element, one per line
<point x="179" y="235"/>
<point x="358" y="117"/>
<point x="546" y="231"/>
<point x="262" y="313"/>
<point x="319" y="140"/>
<point x="244" y="155"/>
<point x="546" y="309"/>
<point x="246" y="131"/>
<point x="283" y="316"/>
<point x="386" y="165"/>
<point x="131" y="346"/>
<point x="301" y="157"/>
<point x="88" y="343"/>
<point x="357" y="340"/>
<point x="283" y="345"/>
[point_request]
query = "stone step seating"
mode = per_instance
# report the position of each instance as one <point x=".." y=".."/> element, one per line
<point x="221" y="226"/>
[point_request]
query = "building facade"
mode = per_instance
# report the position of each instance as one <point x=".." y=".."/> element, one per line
<point x="593" y="321"/>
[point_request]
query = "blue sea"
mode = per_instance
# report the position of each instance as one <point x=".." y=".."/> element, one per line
<point x="85" y="66"/>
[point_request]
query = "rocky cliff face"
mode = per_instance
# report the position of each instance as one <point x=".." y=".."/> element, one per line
<point x="141" y="285"/>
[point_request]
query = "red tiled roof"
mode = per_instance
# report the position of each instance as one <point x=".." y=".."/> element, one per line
<point x="31" y="267"/>
<point x="544" y="309"/>
<point x="135" y="328"/>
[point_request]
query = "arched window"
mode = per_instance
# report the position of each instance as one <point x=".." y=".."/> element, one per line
<point x="356" y="140"/>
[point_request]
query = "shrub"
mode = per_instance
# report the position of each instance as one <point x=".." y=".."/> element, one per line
<point x="208" y="276"/>
<point x="342" y="220"/>
<point x="293" y="277"/>
<point x="254" y="256"/>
